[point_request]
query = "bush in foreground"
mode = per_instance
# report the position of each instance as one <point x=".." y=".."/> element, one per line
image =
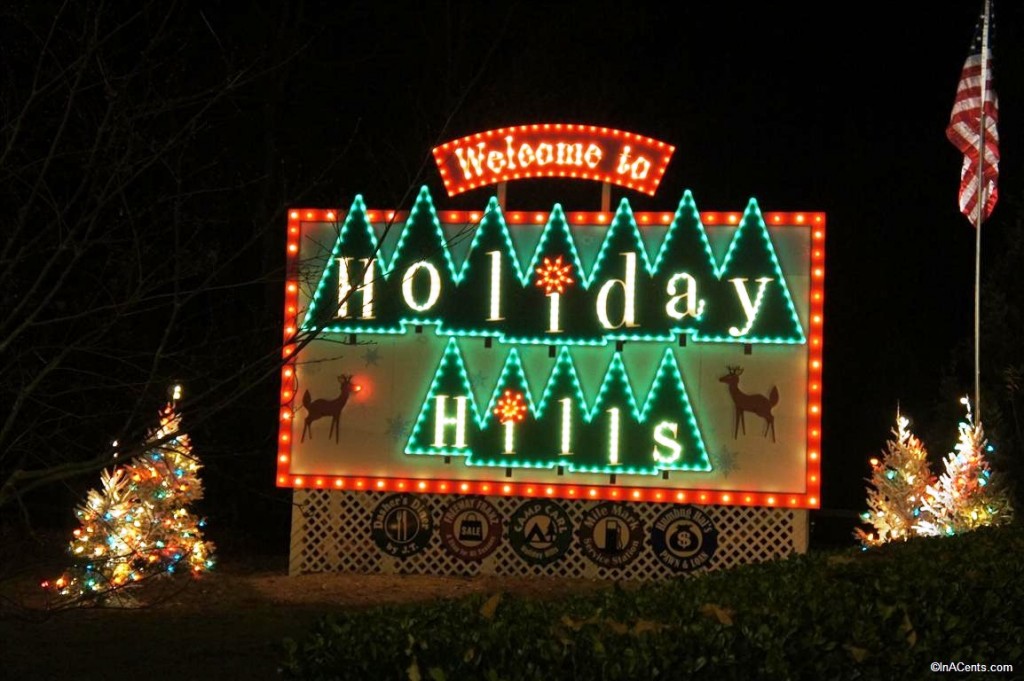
<point x="884" y="613"/>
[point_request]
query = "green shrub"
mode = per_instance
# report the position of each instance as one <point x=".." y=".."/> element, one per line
<point x="882" y="614"/>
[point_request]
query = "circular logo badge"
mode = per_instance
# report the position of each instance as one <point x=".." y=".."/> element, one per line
<point x="470" y="529"/>
<point x="611" y="535"/>
<point x="540" y="532"/>
<point x="402" y="525"/>
<point x="684" y="538"/>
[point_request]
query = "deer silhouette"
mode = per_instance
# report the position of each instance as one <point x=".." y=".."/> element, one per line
<point x="317" y="409"/>
<point x="759" y="404"/>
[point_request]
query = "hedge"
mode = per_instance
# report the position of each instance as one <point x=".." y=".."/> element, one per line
<point x="844" y="614"/>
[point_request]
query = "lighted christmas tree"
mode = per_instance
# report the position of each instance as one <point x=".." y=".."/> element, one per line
<point x="139" y="524"/>
<point x="967" y="495"/>
<point x="898" y="488"/>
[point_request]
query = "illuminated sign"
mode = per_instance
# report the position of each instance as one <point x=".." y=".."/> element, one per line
<point x="618" y="356"/>
<point x="587" y="152"/>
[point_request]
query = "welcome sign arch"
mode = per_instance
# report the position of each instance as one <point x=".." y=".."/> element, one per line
<point x="644" y="361"/>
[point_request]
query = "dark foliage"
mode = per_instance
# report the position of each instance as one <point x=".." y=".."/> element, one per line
<point x="881" y="614"/>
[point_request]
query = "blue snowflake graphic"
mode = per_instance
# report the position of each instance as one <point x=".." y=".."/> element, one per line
<point x="398" y="428"/>
<point x="371" y="357"/>
<point x="726" y="462"/>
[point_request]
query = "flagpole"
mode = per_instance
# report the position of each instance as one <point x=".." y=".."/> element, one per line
<point x="978" y="219"/>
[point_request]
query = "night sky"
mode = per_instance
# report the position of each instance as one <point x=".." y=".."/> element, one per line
<point x="842" y="113"/>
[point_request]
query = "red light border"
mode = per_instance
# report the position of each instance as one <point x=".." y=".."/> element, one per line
<point x="811" y="499"/>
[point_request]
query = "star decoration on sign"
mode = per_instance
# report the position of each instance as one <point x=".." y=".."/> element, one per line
<point x="511" y="407"/>
<point x="371" y="357"/>
<point x="553" y="276"/>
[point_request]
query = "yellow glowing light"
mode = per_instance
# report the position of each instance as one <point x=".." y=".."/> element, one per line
<point x="613" y="438"/>
<point x="554" y="313"/>
<point x="750" y="308"/>
<point x="433" y="293"/>
<point x="346" y="290"/>
<point x="510" y="432"/>
<point x="628" y="286"/>
<point x="495" y="309"/>
<point x="441" y="421"/>
<point x="566" y="426"/>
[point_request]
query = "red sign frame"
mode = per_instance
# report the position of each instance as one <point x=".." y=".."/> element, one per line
<point x="809" y="499"/>
<point x="586" y="152"/>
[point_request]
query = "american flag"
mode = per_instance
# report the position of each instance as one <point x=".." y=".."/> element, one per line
<point x="964" y="129"/>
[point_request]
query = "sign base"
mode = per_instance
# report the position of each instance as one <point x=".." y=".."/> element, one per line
<point x="378" y="532"/>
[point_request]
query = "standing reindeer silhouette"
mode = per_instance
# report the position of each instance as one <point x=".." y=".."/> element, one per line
<point x="317" y="409"/>
<point x="759" y="404"/>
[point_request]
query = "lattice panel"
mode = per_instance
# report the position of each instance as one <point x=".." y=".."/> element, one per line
<point x="332" y="531"/>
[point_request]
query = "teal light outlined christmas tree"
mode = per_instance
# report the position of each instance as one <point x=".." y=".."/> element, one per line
<point x="421" y="270"/>
<point x="750" y="302"/>
<point x="450" y="402"/>
<point x="609" y="442"/>
<point x="668" y="415"/>
<point x="490" y="282"/>
<point x="685" y="273"/>
<point x="553" y="310"/>
<point x="346" y="298"/>
<point x="507" y="436"/>
<point x="621" y="274"/>
<point x="564" y="404"/>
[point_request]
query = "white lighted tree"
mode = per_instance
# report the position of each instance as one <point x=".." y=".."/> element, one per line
<point x="967" y="495"/>
<point x="139" y="523"/>
<point x="898" y="488"/>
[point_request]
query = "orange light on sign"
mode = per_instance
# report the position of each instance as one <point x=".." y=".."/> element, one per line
<point x="511" y="408"/>
<point x="553" y="276"/>
<point x="587" y="152"/>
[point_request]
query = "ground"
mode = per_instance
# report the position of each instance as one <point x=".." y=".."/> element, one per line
<point x="227" y="625"/>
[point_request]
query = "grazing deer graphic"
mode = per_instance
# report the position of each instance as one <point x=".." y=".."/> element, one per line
<point x="316" y="409"/>
<point x="759" y="404"/>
